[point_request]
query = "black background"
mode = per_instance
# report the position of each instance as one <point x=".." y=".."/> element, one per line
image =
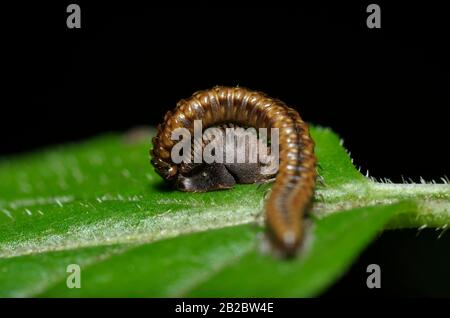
<point x="385" y="91"/>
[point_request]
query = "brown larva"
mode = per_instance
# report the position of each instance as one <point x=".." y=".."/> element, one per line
<point x="294" y="186"/>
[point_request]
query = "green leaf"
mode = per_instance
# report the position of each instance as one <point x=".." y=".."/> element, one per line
<point x="100" y="205"/>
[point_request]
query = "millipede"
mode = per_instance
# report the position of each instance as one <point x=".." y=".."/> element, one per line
<point x="293" y="189"/>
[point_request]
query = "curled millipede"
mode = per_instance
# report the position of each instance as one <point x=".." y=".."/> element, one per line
<point x="293" y="189"/>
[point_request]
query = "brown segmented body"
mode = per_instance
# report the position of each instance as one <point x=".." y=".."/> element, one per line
<point x="294" y="186"/>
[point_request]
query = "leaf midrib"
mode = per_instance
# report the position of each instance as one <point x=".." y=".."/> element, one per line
<point x="329" y="200"/>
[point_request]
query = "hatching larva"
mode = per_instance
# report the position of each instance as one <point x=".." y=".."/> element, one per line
<point x="294" y="185"/>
